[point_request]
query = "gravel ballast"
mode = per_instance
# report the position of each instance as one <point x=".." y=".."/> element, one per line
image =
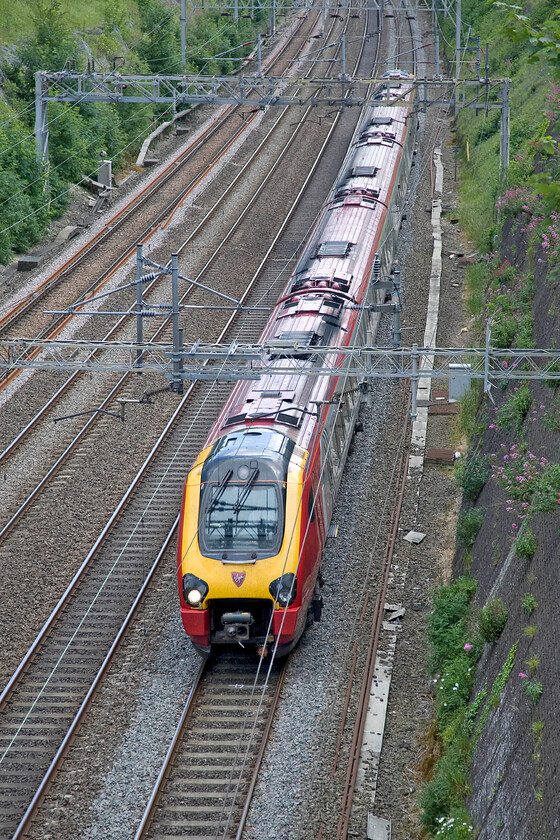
<point x="128" y="730"/>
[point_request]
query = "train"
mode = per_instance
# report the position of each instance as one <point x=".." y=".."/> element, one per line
<point x="258" y="501"/>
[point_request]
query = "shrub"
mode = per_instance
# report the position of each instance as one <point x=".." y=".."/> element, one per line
<point x="533" y="663"/>
<point x="527" y="479"/>
<point x="508" y="307"/>
<point x="526" y="544"/>
<point x="533" y="689"/>
<point x="537" y="727"/>
<point x="545" y="498"/>
<point x="518" y="200"/>
<point x="468" y="525"/>
<point x="471" y="474"/>
<point x="492" y="620"/>
<point x="529" y="603"/>
<point x="454" y="687"/>
<point x="512" y="413"/>
<point x="467" y="421"/>
<point x="443" y="795"/>
<point x="447" y="624"/>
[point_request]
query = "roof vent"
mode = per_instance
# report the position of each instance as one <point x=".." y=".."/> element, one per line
<point x="235" y="418"/>
<point x="365" y="171"/>
<point x="333" y="249"/>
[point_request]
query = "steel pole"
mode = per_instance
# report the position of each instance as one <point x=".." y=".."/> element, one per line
<point x="184" y="35"/>
<point x="139" y="303"/>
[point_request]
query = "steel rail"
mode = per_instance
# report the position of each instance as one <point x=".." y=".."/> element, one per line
<point x="111" y="226"/>
<point x="118" y="220"/>
<point x="148" y="191"/>
<point x="174" y="752"/>
<point x="139" y="199"/>
<point x="171" y="421"/>
<point x="374" y="633"/>
<point x="165" y="772"/>
<point x="34" y="647"/>
<point x="62" y="751"/>
<point x="93" y="419"/>
<point x="260" y="755"/>
<point x="26" y="662"/>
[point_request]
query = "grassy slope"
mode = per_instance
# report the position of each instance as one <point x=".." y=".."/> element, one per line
<point x="530" y="84"/>
<point x="82" y="15"/>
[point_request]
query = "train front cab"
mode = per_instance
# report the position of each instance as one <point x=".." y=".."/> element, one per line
<point x="241" y="577"/>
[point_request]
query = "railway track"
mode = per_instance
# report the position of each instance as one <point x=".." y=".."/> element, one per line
<point x="205" y="785"/>
<point x="152" y="207"/>
<point x="39" y="704"/>
<point x="162" y="332"/>
<point x="369" y="627"/>
<point x="134" y="519"/>
<point x="225" y="204"/>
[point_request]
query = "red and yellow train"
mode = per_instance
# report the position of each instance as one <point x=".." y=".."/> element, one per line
<point x="258" y="501"/>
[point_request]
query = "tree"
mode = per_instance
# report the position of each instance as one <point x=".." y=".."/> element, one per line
<point x="543" y="39"/>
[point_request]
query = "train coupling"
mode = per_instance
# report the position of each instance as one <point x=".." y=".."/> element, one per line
<point x="236" y="625"/>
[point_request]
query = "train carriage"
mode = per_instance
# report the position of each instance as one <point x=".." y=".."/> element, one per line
<point x="258" y="502"/>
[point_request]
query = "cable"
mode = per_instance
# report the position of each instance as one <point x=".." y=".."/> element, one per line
<point x="75" y="154"/>
<point x="17" y="115"/>
<point x="63" y="193"/>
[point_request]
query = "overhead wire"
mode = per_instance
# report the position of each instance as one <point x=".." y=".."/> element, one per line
<point x="59" y="116"/>
<point x="215" y="385"/>
<point x="63" y="193"/>
<point x="336" y="478"/>
<point x="70" y="157"/>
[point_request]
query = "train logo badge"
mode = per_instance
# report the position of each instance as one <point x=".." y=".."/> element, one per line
<point x="238" y="577"/>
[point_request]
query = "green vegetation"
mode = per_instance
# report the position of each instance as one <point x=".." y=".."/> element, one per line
<point x="502" y="214"/>
<point x="471" y="474"/>
<point x="537" y="728"/>
<point x="448" y="622"/>
<point x="494" y="697"/>
<point x="56" y="34"/>
<point x="533" y="689"/>
<point x="492" y="620"/>
<point x="455" y="650"/>
<point x="533" y="663"/>
<point x="529" y="603"/>
<point x="512" y="413"/>
<point x="526" y="544"/>
<point x="469" y="523"/>
<point x="468" y="422"/>
<point x="525" y="50"/>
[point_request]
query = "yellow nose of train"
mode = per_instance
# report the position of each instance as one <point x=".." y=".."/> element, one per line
<point x="239" y="546"/>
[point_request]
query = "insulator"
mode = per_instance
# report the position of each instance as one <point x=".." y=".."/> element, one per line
<point x="146" y="278"/>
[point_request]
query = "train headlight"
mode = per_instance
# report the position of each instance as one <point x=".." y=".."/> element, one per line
<point x="284" y="589"/>
<point x="195" y="590"/>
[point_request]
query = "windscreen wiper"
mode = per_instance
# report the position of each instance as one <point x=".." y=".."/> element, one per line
<point x="238" y="506"/>
<point x="220" y="491"/>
